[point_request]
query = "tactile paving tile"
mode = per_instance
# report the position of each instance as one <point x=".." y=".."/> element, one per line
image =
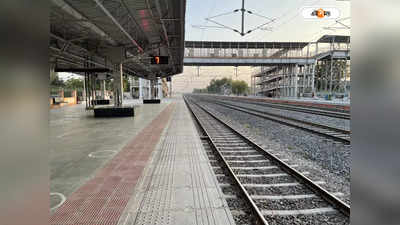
<point x="179" y="186"/>
<point x="103" y="199"/>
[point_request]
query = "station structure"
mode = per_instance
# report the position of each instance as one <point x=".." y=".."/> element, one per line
<point x="326" y="70"/>
<point x="287" y="69"/>
<point x="104" y="40"/>
<point x="151" y="167"/>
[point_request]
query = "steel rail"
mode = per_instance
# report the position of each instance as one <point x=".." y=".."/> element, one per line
<point x="259" y="216"/>
<point x="333" y="200"/>
<point x="270" y="116"/>
<point x="290" y="118"/>
<point x="260" y="100"/>
<point x="339" y="115"/>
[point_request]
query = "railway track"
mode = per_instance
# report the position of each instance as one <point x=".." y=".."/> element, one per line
<point x="316" y="111"/>
<point x="274" y="191"/>
<point x="322" y="130"/>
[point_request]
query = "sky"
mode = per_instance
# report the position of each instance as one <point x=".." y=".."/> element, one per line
<point x="289" y="25"/>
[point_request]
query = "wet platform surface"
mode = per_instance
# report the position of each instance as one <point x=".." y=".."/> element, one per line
<point x="81" y="144"/>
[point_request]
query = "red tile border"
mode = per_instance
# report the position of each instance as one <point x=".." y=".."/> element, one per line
<point x="103" y="198"/>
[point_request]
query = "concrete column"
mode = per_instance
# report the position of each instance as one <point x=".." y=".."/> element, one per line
<point x="117" y="86"/>
<point x="122" y="82"/>
<point x="149" y="90"/>
<point x="159" y="88"/>
<point x="170" y="88"/>
<point x="152" y="90"/>
<point x="84" y="88"/>
<point x="103" y="89"/>
<point x="140" y="88"/>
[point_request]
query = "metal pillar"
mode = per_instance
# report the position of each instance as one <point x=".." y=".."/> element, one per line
<point x="303" y="70"/>
<point x="331" y="75"/>
<point x="345" y="77"/>
<point x="313" y="78"/>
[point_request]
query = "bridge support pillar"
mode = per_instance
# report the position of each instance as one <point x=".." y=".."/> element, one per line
<point x="296" y="82"/>
<point x="313" y="78"/>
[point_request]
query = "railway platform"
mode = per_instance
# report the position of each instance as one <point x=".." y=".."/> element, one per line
<point x="159" y="172"/>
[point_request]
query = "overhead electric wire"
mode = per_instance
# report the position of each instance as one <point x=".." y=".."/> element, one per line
<point x="295" y="15"/>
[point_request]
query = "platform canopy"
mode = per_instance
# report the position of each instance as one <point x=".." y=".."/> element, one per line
<point x="104" y="33"/>
<point x="334" y="38"/>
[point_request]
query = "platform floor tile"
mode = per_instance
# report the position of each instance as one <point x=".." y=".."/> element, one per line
<point x="178" y="186"/>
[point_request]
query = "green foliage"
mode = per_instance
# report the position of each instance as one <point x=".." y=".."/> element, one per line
<point x="239" y="87"/>
<point x="74" y="84"/>
<point x="55" y="81"/>
<point x="199" y="90"/>
<point x="127" y="85"/>
<point x="218" y="86"/>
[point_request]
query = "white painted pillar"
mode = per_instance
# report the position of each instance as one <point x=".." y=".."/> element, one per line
<point x="159" y="87"/>
<point x="149" y="90"/>
<point x="140" y="88"/>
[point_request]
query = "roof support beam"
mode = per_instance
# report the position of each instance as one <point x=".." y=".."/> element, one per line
<point x="82" y="70"/>
<point x="118" y="25"/>
<point x="85" y="21"/>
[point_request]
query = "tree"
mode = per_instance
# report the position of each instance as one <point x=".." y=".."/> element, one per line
<point x="127" y="84"/>
<point x="239" y="87"/>
<point x="215" y="86"/>
<point x="74" y="83"/>
<point x="223" y="86"/>
<point x="55" y="80"/>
